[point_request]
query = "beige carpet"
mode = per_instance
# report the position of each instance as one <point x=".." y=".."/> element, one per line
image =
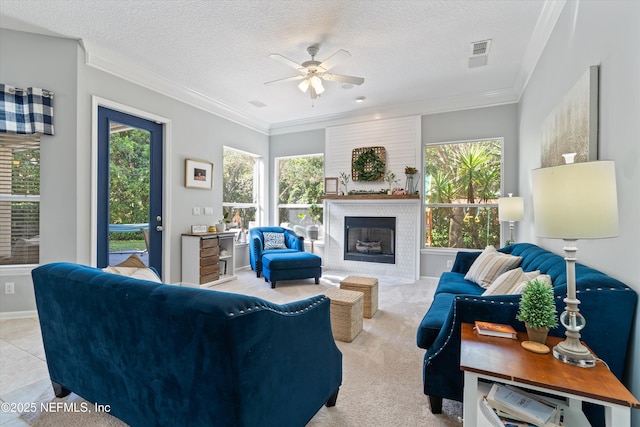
<point x="382" y="367"/>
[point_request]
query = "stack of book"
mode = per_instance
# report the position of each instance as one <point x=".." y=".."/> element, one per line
<point x="512" y="407"/>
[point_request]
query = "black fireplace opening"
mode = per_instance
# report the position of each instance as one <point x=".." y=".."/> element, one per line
<point x="370" y="239"/>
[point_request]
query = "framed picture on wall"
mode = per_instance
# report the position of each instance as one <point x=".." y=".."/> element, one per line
<point x="571" y="129"/>
<point x="331" y="186"/>
<point x="198" y="174"/>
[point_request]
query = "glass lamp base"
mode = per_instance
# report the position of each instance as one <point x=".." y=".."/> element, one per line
<point x="584" y="360"/>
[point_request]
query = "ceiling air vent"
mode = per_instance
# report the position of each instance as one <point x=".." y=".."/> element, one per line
<point x="479" y="53"/>
<point x="480" y="48"/>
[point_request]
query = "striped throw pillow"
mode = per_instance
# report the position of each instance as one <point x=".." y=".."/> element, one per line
<point x="489" y="265"/>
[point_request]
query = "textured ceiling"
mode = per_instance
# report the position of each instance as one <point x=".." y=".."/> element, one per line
<point x="412" y="54"/>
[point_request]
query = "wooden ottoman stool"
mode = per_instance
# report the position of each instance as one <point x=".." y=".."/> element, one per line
<point x="346" y="313"/>
<point x="369" y="287"/>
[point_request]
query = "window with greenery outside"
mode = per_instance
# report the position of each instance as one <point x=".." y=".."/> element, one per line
<point x="300" y="185"/>
<point x="129" y="181"/>
<point x="240" y="181"/>
<point x="462" y="187"/>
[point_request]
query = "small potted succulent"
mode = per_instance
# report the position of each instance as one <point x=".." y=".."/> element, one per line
<point x="537" y="310"/>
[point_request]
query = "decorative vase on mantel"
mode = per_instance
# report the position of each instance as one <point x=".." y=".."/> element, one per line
<point x="537" y="334"/>
<point x="409" y="186"/>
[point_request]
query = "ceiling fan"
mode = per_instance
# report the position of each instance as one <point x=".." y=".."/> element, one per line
<point x="313" y="72"/>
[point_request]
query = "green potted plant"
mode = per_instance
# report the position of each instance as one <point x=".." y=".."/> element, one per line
<point x="312" y="230"/>
<point x="537" y="310"/>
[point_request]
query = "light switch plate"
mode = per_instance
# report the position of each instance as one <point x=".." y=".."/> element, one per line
<point x="195" y="210"/>
<point x="208" y="210"/>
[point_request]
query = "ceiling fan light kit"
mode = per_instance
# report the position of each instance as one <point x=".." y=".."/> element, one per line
<point x="313" y="72"/>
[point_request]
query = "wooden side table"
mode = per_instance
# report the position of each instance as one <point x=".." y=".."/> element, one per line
<point x="503" y="360"/>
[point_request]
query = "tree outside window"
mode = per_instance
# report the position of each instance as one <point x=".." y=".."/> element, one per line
<point x="240" y="181"/>
<point x="300" y="185"/>
<point x="462" y="187"/>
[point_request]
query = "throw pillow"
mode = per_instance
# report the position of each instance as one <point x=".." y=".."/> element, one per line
<point x="134" y="272"/>
<point x="489" y="265"/>
<point x="504" y="282"/>
<point x="544" y="278"/>
<point x="133" y="261"/>
<point x="274" y="241"/>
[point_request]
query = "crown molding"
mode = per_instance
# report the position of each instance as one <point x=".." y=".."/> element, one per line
<point x="542" y="31"/>
<point x="128" y="71"/>
<point x="429" y="106"/>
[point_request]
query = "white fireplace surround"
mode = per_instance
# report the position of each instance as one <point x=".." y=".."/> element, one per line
<point x="407" y="214"/>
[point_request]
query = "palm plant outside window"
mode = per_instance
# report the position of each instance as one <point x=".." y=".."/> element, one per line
<point x="462" y="187"/>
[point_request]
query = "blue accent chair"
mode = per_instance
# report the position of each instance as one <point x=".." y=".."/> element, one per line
<point x="166" y="355"/>
<point x="282" y="264"/>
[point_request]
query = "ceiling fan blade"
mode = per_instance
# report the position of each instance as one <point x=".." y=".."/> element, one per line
<point x="287" y="61"/>
<point x="343" y="79"/>
<point x="335" y="59"/>
<point x="286" y="79"/>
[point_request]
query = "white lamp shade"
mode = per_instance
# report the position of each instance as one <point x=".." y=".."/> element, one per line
<point x="576" y="201"/>
<point x="511" y="208"/>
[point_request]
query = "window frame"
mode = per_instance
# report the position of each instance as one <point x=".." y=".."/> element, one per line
<point x="12" y="142"/>
<point x="277" y="205"/>
<point x="425" y="204"/>
<point x="257" y="186"/>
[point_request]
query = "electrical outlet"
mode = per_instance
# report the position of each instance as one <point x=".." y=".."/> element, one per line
<point x="449" y="263"/>
<point x="195" y="210"/>
<point x="208" y="211"/>
<point x="9" y="288"/>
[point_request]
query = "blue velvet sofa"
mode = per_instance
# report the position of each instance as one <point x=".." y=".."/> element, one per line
<point x="165" y="355"/>
<point x="607" y="304"/>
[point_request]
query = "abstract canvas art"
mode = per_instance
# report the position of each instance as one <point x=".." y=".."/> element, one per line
<point x="572" y="127"/>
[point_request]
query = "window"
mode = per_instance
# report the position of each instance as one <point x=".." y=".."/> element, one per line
<point x="462" y="187"/>
<point x="241" y="184"/>
<point x="19" y="199"/>
<point x="300" y="183"/>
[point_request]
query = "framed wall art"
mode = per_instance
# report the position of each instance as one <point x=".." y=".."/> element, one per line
<point x="198" y="174"/>
<point x="331" y="186"/>
<point x="572" y="127"/>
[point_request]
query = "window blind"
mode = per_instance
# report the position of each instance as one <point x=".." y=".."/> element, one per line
<point x="19" y="199"/>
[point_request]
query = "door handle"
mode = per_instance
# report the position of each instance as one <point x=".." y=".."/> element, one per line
<point x="158" y="228"/>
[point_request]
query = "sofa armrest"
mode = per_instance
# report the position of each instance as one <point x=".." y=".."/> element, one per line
<point x="463" y="261"/>
<point x="296" y="349"/>
<point x="441" y="369"/>
<point x="293" y="241"/>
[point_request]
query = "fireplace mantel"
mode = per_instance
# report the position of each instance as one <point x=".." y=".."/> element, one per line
<point x="369" y="196"/>
<point x="408" y="216"/>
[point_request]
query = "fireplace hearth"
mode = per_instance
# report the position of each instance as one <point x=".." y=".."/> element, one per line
<point x="370" y="239"/>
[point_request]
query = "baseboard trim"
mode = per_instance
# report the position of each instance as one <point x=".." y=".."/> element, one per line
<point x="9" y="315"/>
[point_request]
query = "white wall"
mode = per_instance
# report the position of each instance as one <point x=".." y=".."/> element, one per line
<point x="605" y="33"/>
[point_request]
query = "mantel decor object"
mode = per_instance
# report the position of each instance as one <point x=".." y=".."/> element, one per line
<point x="368" y="164"/>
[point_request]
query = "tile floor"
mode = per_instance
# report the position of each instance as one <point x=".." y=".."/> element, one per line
<point x="23" y="371"/>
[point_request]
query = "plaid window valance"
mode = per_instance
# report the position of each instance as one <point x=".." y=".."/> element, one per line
<point x="26" y="111"/>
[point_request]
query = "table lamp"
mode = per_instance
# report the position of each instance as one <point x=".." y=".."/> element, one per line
<point x="571" y="202"/>
<point x="510" y="209"/>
